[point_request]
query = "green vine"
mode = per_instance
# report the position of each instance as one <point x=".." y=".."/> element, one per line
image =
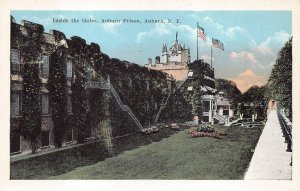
<point x="29" y="43"/>
<point x="79" y="96"/>
<point x="58" y="93"/>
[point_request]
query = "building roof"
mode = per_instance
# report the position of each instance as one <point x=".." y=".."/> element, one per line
<point x="165" y="49"/>
<point x="223" y="102"/>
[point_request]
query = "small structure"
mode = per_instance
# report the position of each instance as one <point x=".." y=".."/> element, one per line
<point x="272" y="105"/>
<point x="223" y="107"/>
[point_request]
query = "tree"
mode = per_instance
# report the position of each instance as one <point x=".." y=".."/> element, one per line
<point x="279" y="86"/>
<point x="254" y="97"/>
<point x="230" y="90"/>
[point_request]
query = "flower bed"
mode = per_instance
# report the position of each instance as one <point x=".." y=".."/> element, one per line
<point x="150" y="130"/>
<point x="175" y="126"/>
<point x="205" y="131"/>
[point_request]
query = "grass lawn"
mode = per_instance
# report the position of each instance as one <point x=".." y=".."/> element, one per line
<point x="179" y="157"/>
<point x="59" y="161"/>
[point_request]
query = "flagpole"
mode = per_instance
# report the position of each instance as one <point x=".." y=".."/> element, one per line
<point x="197" y="43"/>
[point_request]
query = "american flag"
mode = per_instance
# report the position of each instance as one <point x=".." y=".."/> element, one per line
<point x="201" y="33"/>
<point x="217" y="44"/>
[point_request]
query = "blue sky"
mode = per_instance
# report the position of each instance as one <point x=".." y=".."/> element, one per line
<point x="251" y="38"/>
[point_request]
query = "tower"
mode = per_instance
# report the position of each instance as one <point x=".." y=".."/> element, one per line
<point x="165" y="54"/>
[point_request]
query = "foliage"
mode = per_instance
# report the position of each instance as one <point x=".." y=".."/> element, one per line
<point x="31" y="125"/>
<point x="254" y="95"/>
<point x="187" y="103"/>
<point x="206" y="128"/>
<point x="279" y="86"/>
<point x="252" y="102"/>
<point x="29" y="42"/>
<point x="58" y="93"/>
<point x="79" y="96"/>
<point x="230" y="90"/>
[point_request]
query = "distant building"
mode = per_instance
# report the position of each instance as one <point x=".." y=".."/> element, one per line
<point x="174" y="60"/>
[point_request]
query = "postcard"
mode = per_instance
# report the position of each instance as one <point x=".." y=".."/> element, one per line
<point x="127" y="95"/>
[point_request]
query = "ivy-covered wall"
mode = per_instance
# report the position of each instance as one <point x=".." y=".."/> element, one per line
<point x="95" y="112"/>
<point x="27" y="40"/>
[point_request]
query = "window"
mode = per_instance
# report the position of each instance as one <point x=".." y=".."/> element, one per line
<point x="147" y="106"/>
<point x="147" y="85"/>
<point x="15" y="60"/>
<point x="155" y="105"/>
<point x="45" y="104"/>
<point x="45" y="138"/>
<point x="88" y="106"/>
<point x="190" y="74"/>
<point x="129" y="82"/>
<point x="69" y="104"/>
<point x="69" y="69"/>
<point x="16" y="104"/>
<point x="89" y="71"/>
<point x="190" y="88"/>
<point x="226" y="112"/>
<point x="205" y="107"/>
<point x="69" y="135"/>
<point x="45" y="66"/>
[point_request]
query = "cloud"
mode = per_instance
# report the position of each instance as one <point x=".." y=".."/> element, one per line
<point x="45" y="20"/>
<point x="264" y="49"/>
<point x="248" y="56"/>
<point x="279" y="37"/>
<point x="244" y="54"/>
<point x="230" y="32"/>
<point x="247" y="79"/>
<point x="111" y="27"/>
<point x="159" y="29"/>
<point x="207" y="58"/>
<point x="271" y="44"/>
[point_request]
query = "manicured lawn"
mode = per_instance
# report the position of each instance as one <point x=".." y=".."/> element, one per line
<point x="59" y="161"/>
<point x="179" y="157"/>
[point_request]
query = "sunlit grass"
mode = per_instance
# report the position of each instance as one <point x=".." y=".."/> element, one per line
<point x="179" y="157"/>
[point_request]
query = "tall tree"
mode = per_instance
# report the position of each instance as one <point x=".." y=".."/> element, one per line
<point x="279" y="86"/>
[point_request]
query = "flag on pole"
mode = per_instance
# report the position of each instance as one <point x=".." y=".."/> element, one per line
<point x="201" y="33"/>
<point x="217" y="44"/>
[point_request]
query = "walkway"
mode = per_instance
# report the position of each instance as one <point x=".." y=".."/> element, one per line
<point x="270" y="160"/>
